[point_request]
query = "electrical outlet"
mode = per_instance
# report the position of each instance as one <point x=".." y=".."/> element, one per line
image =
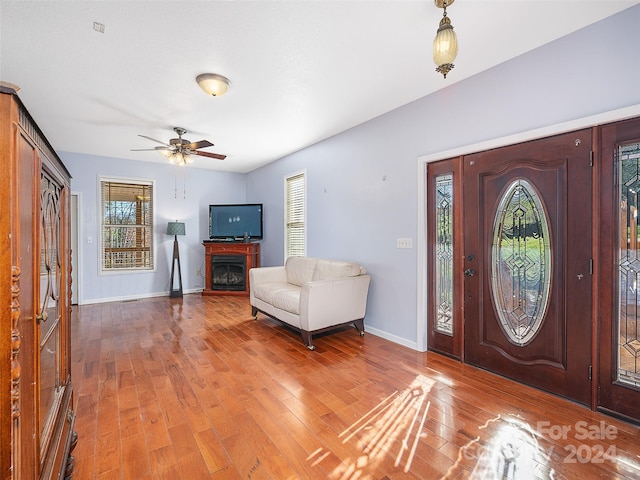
<point x="197" y="272"/>
<point x="404" y="243"/>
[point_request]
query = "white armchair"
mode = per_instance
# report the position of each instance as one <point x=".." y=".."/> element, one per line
<point x="311" y="294"/>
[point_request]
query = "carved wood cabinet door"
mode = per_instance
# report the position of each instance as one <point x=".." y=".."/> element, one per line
<point x="52" y="318"/>
<point x="36" y="416"/>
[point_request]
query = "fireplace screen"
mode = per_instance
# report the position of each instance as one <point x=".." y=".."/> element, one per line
<point x="228" y="272"/>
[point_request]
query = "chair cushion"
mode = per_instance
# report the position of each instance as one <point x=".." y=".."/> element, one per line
<point x="334" y="269"/>
<point x="288" y="300"/>
<point x="300" y="270"/>
<point x="268" y="291"/>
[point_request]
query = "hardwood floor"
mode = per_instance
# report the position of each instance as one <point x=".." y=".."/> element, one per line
<point x="194" y="388"/>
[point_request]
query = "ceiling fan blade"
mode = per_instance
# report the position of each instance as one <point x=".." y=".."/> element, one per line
<point x="153" y="140"/>
<point x="217" y="156"/>
<point x="145" y="149"/>
<point x="200" y="144"/>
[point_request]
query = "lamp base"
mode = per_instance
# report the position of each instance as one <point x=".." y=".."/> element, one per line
<point x="175" y="292"/>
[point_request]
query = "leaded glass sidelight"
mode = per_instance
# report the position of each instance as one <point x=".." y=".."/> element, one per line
<point x="629" y="265"/>
<point x="520" y="262"/>
<point x="443" y="253"/>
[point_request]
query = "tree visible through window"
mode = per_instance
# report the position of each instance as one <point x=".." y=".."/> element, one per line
<point x="295" y="245"/>
<point x="127" y="225"/>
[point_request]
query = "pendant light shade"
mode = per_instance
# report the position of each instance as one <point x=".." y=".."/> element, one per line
<point x="445" y="45"/>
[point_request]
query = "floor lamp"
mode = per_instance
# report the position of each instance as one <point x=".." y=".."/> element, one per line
<point x="175" y="228"/>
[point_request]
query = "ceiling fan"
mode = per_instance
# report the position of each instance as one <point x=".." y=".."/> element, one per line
<point x="179" y="150"/>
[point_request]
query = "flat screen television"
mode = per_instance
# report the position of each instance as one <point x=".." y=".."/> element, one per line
<point x="234" y="221"/>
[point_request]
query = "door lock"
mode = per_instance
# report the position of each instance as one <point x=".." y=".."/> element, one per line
<point x="469" y="272"/>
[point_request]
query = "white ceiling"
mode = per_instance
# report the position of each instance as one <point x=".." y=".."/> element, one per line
<point x="301" y="71"/>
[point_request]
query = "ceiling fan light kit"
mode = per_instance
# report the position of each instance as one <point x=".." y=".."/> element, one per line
<point x="213" y="84"/>
<point x="179" y="158"/>
<point x="178" y="151"/>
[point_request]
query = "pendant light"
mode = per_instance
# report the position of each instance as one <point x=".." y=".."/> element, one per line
<point x="445" y="45"/>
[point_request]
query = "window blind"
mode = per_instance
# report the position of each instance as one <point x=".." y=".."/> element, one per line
<point x="295" y="216"/>
<point x="127" y="225"/>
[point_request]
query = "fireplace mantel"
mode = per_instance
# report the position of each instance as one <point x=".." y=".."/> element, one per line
<point x="250" y="252"/>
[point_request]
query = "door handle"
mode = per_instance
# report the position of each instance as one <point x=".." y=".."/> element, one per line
<point x="469" y="272"/>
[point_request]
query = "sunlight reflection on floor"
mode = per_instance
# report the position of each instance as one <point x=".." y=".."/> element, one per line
<point x="512" y="451"/>
<point x="501" y="448"/>
<point x="395" y="423"/>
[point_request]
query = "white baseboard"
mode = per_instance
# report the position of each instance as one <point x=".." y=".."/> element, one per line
<point x="392" y="338"/>
<point x="128" y="298"/>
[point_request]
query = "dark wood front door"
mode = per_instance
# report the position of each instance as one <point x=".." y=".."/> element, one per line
<point x="527" y="263"/>
<point x="619" y="266"/>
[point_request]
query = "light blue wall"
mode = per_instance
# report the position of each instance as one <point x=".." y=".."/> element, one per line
<point x="363" y="185"/>
<point x="180" y="194"/>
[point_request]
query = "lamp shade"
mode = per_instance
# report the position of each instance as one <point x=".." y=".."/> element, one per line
<point x="175" y="228"/>
<point x="445" y="46"/>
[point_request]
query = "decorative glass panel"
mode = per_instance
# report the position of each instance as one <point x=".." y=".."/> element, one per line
<point x="50" y="306"/>
<point x="629" y="265"/>
<point x="444" y="254"/>
<point x="521" y="263"/>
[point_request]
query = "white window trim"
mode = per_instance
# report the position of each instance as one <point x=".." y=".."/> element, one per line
<point x="143" y="181"/>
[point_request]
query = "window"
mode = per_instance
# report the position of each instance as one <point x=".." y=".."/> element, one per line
<point x="126" y="215"/>
<point x="295" y="245"/>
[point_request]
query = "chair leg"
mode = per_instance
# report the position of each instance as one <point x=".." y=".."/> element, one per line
<point x="306" y="338"/>
<point x="359" y="324"/>
<point x="254" y="312"/>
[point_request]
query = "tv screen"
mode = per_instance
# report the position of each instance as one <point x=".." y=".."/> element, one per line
<point x="232" y="222"/>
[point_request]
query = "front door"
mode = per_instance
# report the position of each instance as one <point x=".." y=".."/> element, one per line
<point x="619" y="264"/>
<point x="527" y="218"/>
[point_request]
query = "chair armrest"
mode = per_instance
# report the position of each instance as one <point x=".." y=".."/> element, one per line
<point x="331" y="302"/>
<point x="260" y="275"/>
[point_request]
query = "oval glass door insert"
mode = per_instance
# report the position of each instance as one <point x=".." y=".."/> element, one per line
<point x="520" y="263"/>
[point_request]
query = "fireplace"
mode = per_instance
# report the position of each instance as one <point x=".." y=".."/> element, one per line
<point x="227" y="266"/>
<point x="228" y="272"/>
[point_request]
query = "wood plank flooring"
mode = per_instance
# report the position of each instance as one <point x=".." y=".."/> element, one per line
<point x="195" y="388"/>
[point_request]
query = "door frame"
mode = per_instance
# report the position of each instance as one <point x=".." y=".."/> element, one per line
<point x="423" y="161"/>
<point x="76" y="241"/>
<point x="421" y="167"/>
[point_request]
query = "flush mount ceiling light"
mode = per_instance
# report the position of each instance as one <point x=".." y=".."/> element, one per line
<point x="213" y="84"/>
<point x="445" y="45"/>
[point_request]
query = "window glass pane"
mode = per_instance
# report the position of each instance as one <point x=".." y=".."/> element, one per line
<point x="443" y="253"/>
<point x="629" y="265"/>
<point x="295" y="216"/>
<point x="521" y="262"/>
<point x="127" y="226"/>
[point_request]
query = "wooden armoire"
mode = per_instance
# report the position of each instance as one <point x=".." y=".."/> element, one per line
<point x="36" y="416"/>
